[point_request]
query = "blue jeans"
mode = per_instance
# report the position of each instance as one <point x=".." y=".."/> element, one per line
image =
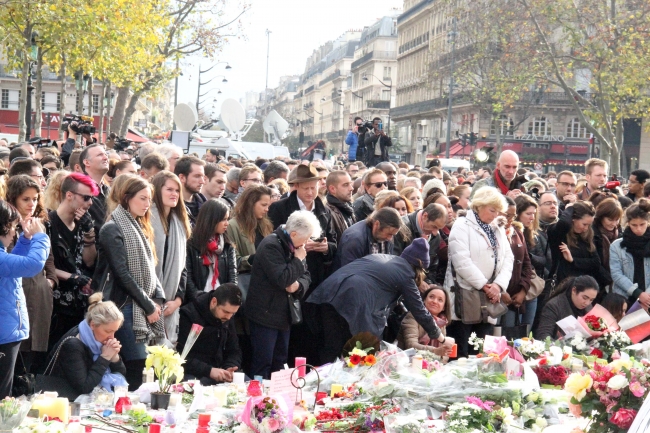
<point x="270" y="349"/>
<point x="130" y="349"/>
<point x="525" y="319"/>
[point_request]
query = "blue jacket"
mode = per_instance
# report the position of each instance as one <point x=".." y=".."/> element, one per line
<point x="352" y="140"/>
<point x="621" y="266"/>
<point x="25" y="261"/>
<point x="355" y="243"/>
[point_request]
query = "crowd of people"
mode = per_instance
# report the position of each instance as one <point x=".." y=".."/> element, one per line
<point x="103" y="253"/>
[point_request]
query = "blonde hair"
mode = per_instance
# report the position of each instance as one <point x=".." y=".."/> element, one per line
<point x="489" y="196"/>
<point x="102" y="313"/>
<point x="594" y="162"/>
<point x="382" y="196"/>
<point x="53" y="197"/>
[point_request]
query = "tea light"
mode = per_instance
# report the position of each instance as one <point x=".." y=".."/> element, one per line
<point x="139" y="407"/>
<point x="204" y="419"/>
<point x="336" y="388"/>
<point x="221" y="394"/>
<point x="238" y="378"/>
<point x="175" y="398"/>
<point x="154" y="428"/>
<point x="300" y="365"/>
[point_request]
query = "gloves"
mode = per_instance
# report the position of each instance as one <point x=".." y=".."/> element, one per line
<point x="86" y="222"/>
<point x="81" y="280"/>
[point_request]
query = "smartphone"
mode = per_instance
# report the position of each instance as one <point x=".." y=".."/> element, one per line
<point x="320" y="239"/>
<point x="381" y="126"/>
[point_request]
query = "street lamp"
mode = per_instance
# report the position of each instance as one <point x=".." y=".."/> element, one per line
<point x="33" y="54"/>
<point x="323" y="99"/>
<point x="390" y="90"/>
<point x="201" y="72"/>
<point x="451" y="39"/>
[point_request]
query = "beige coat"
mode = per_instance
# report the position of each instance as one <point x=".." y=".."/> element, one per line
<point x="410" y="334"/>
<point x="39" y="299"/>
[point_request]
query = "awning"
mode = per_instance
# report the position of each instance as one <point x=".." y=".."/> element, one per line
<point x="578" y="150"/>
<point x="515" y="147"/>
<point x="554" y="162"/>
<point x="458" y="150"/>
<point x="557" y="148"/>
<point x="132" y="135"/>
<point x="575" y="162"/>
<point x="52" y="135"/>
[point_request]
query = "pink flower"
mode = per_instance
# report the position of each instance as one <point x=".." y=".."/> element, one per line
<point x="637" y="389"/>
<point x="273" y="424"/>
<point x="623" y="418"/>
<point x="616" y="355"/>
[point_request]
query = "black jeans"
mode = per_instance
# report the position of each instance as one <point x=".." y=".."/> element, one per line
<point x="8" y="355"/>
<point x="336" y="332"/>
<point x="460" y="332"/>
<point x="270" y="349"/>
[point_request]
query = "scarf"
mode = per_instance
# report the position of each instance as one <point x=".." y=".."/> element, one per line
<point x="345" y="207"/>
<point x="215" y="248"/>
<point x="500" y="183"/>
<point x="88" y="339"/>
<point x="143" y="270"/>
<point x="174" y="260"/>
<point x="442" y="323"/>
<point x="639" y="248"/>
<point x="575" y="310"/>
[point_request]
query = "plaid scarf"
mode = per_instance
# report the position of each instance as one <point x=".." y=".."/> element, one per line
<point x="143" y="270"/>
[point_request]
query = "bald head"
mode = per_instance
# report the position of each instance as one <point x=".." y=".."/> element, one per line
<point x="508" y="164"/>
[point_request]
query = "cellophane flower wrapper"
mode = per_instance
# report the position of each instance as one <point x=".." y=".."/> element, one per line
<point x="600" y="312"/>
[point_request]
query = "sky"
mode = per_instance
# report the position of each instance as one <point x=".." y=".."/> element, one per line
<point x="297" y="28"/>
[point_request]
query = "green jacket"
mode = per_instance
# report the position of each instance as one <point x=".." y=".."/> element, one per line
<point x="243" y="246"/>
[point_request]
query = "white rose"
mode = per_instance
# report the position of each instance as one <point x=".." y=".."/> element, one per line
<point x="617" y="382"/>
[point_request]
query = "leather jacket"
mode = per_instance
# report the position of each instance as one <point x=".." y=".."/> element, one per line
<point x="197" y="272"/>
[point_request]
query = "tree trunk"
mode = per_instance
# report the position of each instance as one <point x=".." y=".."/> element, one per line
<point x="22" y="100"/>
<point x="38" y="92"/>
<point x="109" y="92"/>
<point x="64" y="82"/>
<point x="101" y="113"/>
<point x="128" y="113"/>
<point x="120" y="106"/>
<point x="90" y="96"/>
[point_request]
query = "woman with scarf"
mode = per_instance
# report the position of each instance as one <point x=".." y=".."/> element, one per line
<point x="89" y="354"/>
<point x="171" y="231"/>
<point x="413" y="335"/>
<point x="630" y="256"/>
<point x="126" y="274"/>
<point x="572" y="297"/>
<point x="211" y="259"/>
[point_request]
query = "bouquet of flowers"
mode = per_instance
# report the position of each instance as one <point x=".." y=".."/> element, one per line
<point x="360" y="357"/>
<point x="609" y="395"/>
<point x="595" y="323"/>
<point x="12" y="412"/>
<point x="598" y="321"/>
<point x="265" y="415"/>
<point x="476" y="415"/>
<point x="530" y="348"/>
<point x="167" y="365"/>
<point x="554" y="375"/>
<point x="610" y="343"/>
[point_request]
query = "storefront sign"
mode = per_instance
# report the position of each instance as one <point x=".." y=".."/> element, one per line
<point x="531" y="137"/>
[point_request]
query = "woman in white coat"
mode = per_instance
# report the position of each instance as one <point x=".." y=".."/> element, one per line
<point x="481" y="257"/>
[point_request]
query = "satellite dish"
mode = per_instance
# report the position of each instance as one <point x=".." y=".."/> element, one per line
<point x="185" y="117"/>
<point x="275" y="124"/>
<point x="233" y="115"/>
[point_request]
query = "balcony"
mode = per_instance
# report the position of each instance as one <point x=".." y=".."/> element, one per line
<point x="336" y="74"/>
<point x="378" y="55"/>
<point x="310" y="89"/>
<point x="378" y="104"/>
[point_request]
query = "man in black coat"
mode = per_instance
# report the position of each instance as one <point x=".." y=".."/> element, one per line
<point x="216" y="354"/>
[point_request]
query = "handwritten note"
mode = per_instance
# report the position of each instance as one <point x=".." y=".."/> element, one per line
<point x="281" y="383"/>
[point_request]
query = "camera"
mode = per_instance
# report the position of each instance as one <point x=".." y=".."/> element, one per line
<point x="79" y="124"/>
<point x="611" y="186"/>
<point x="119" y="144"/>
<point x="365" y="127"/>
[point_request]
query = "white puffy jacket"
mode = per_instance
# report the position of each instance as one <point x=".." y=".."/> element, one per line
<point x="473" y="258"/>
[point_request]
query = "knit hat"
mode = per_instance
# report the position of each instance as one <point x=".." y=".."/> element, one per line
<point x="417" y="252"/>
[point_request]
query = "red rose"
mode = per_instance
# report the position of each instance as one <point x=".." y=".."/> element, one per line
<point x="543" y="361"/>
<point x="623" y="418"/>
<point x="355" y="359"/>
<point x="596" y="352"/>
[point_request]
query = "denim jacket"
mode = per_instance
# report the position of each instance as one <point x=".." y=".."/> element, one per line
<point x="621" y="266"/>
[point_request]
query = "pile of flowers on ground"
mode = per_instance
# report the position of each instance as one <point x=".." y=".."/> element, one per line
<point x="530" y="348"/>
<point x="554" y="375"/>
<point x="264" y="415"/>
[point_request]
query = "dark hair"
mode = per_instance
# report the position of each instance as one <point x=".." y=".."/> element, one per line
<point x="646" y="189"/>
<point x="274" y="170"/>
<point x="376" y="118"/>
<point x="17" y="185"/>
<point x="8" y="215"/>
<point x="227" y="293"/>
<point x="581" y="283"/>
<point x="17" y="152"/>
<point x="387" y="217"/>
<point x="446" y="309"/>
<point x="624" y="201"/>
<point x="597" y="197"/>
<point x="394" y="199"/>
<point x="432" y="196"/>
<point x="640" y="209"/>
<point x="582" y="209"/>
<point x="426" y="177"/>
<point x="158" y="182"/>
<point x="212" y="168"/>
<point x="510" y="201"/>
<point x="608" y="208"/>
<point x="84" y="155"/>
<point x="212" y="213"/>
<point x="117" y="164"/>
<point x="23" y="166"/>
<point x="613" y="303"/>
<point x="641" y="175"/>
<point x="184" y="165"/>
<point x="357" y="118"/>
<point x="51" y="158"/>
<point x="524" y="202"/>
<point x="155" y="160"/>
<point x="244" y="213"/>
<point x="434" y="211"/>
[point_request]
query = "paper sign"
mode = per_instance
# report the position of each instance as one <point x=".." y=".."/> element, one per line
<point x="571" y="328"/>
<point x="636" y="306"/>
<point x="636" y="325"/>
<point x="281" y="382"/>
<point x="513" y="369"/>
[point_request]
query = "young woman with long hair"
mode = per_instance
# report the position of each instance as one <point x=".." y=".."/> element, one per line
<point x="126" y="271"/>
<point x="25" y="195"/>
<point x="171" y="231"/>
<point x="210" y="258"/>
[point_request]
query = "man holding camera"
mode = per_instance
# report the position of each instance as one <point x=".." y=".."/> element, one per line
<point x="377" y="144"/>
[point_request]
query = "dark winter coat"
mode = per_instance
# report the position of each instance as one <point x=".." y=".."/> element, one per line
<point x="554" y="310"/>
<point x="372" y="140"/>
<point x="540" y="255"/>
<point x="216" y="347"/>
<point x="365" y="291"/>
<point x="342" y="216"/>
<point x="275" y="268"/>
<point x="363" y="206"/>
<point x="197" y="272"/>
<point x="356" y="243"/>
<point x="410" y="221"/>
<point x="521" y="267"/>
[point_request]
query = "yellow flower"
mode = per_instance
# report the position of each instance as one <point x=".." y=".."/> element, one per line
<point x="359" y="352"/>
<point x="578" y="384"/>
<point x="618" y="364"/>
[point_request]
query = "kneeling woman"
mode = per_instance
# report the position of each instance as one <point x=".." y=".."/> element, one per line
<point x="573" y="297"/>
<point x="413" y="335"/>
<point x="89" y="354"/>
<point x="359" y="296"/>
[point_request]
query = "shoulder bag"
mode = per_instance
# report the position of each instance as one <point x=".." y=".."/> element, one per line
<point x="472" y="306"/>
<point x="47" y="382"/>
<point x="537" y="285"/>
<point x="295" y="309"/>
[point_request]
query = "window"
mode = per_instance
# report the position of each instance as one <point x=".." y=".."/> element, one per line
<point x="385" y="95"/>
<point x="58" y="101"/>
<point x="95" y="103"/>
<point x="540" y="126"/>
<point x="42" y="101"/>
<point x="575" y="129"/>
<point x="387" y="72"/>
<point x="5" y="98"/>
<point x="503" y="124"/>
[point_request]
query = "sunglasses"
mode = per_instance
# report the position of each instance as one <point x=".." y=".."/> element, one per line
<point x="380" y="184"/>
<point x="85" y="197"/>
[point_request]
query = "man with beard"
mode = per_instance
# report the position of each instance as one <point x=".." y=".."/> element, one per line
<point x="190" y="170"/>
<point x="565" y="189"/>
<point x="339" y="200"/>
<point x="596" y="175"/>
<point x="94" y="162"/>
<point x="504" y="177"/>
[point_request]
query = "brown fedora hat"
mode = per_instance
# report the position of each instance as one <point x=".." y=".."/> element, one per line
<point x="306" y="173"/>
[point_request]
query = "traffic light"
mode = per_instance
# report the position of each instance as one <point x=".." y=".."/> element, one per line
<point x="473" y="136"/>
<point x="301" y="138"/>
<point x="463" y="140"/>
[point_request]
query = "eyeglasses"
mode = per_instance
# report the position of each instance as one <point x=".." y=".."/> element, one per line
<point x="84" y="196"/>
<point x="549" y="203"/>
<point x="380" y="184"/>
<point x="276" y="196"/>
<point x="253" y="180"/>
<point x="567" y="184"/>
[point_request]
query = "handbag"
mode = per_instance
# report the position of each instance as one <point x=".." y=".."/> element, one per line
<point x="295" y="309"/>
<point x="47" y="382"/>
<point x="467" y="301"/>
<point x="537" y="285"/>
<point x="515" y="332"/>
<point x="24" y="384"/>
<point x="244" y="281"/>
